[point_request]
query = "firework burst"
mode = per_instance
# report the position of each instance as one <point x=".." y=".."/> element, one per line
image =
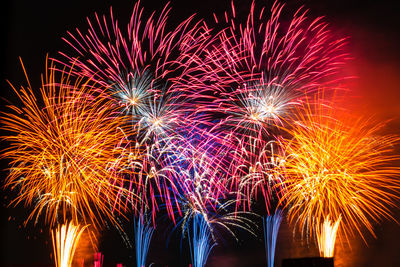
<point x="257" y="70"/>
<point x="202" y="198"/>
<point x="338" y="165"/>
<point x="145" y="71"/>
<point x="65" y="151"/>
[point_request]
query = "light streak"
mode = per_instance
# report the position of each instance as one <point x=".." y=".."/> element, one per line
<point x="65" y="240"/>
<point x="143" y="234"/>
<point x="200" y="241"/>
<point x="338" y="165"/>
<point x="326" y="237"/>
<point x="271" y="226"/>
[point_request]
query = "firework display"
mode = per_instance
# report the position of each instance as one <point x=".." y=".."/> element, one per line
<point x="254" y="73"/>
<point x="143" y="71"/>
<point x="201" y="124"/>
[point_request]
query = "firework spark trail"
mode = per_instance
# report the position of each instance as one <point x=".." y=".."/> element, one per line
<point x="247" y="88"/>
<point x="202" y="198"/>
<point x="65" y="240"/>
<point x="146" y="68"/>
<point x="271" y="226"/>
<point x="255" y="82"/>
<point x="200" y="241"/>
<point x="143" y="235"/>
<point x="259" y="171"/>
<point x="145" y="71"/>
<point x="64" y="151"/>
<point x="197" y="171"/>
<point x="338" y="165"/>
<point x="146" y="53"/>
<point x="326" y="237"/>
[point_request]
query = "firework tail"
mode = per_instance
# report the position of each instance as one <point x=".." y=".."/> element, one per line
<point x="271" y="225"/>
<point x="143" y="235"/>
<point x="326" y="236"/>
<point x="200" y="241"/>
<point x="65" y="240"/>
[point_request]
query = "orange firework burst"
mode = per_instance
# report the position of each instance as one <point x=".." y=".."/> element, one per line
<point x="65" y="149"/>
<point x="339" y="166"/>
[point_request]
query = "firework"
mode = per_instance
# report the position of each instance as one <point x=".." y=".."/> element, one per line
<point x="65" y="240"/>
<point x="258" y="70"/>
<point x="143" y="234"/>
<point x="145" y="71"/>
<point x="200" y="246"/>
<point x="271" y="229"/>
<point x="253" y="76"/>
<point x="326" y="237"/>
<point x="338" y="165"/>
<point x="202" y="198"/>
<point x="259" y="171"/>
<point x="64" y="150"/>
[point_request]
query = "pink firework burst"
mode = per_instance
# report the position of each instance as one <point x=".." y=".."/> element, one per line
<point x="145" y="71"/>
<point x="257" y="70"/>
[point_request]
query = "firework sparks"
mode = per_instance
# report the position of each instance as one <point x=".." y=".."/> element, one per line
<point x="258" y="70"/>
<point x="338" y="165"/>
<point x="202" y="197"/>
<point x="326" y="237"/>
<point x="65" y="240"/>
<point x="145" y="72"/>
<point x="259" y="171"/>
<point x="143" y="234"/>
<point x="271" y="229"/>
<point x="65" y="151"/>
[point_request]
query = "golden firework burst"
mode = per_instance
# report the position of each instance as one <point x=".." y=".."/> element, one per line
<point x="65" y="148"/>
<point x="340" y="166"/>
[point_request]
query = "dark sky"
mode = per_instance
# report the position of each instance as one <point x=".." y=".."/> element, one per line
<point x="33" y="28"/>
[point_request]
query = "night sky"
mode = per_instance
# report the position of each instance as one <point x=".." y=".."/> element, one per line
<point x="31" y="29"/>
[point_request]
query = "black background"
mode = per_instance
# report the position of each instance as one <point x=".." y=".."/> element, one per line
<point x="31" y="29"/>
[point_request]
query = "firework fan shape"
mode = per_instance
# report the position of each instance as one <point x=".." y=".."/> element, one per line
<point x="65" y="152"/>
<point x="338" y="166"/>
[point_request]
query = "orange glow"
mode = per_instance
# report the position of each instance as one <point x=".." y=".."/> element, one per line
<point x="65" y="240"/>
<point x="65" y="150"/>
<point x="326" y="237"/>
<point x="338" y="165"/>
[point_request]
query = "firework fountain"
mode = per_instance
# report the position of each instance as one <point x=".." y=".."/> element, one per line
<point x="271" y="228"/>
<point x="64" y="157"/>
<point x="201" y="122"/>
<point x="143" y="233"/>
<point x="340" y="168"/>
